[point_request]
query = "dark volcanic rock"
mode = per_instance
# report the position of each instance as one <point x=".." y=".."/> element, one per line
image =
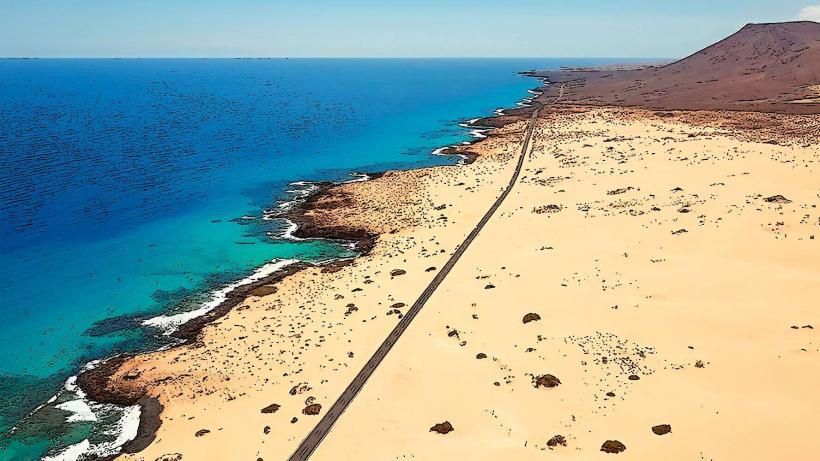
<point x="777" y="199"/>
<point x="613" y="446"/>
<point x="662" y="429"/>
<point x="442" y="428"/>
<point x="546" y="381"/>
<point x="531" y="317"/>
<point x="557" y="440"/>
<point x="272" y="408"/>
<point x="312" y="409"/>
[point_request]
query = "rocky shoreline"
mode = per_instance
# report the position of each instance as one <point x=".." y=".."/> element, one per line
<point x="96" y="382"/>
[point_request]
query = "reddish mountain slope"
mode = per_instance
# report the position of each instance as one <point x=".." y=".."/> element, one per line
<point x="762" y="67"/>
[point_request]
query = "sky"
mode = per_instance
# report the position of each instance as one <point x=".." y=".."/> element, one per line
<point x="379" y="28"/>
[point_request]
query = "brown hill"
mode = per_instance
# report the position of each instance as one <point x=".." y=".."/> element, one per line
<point x="762" y="67"/>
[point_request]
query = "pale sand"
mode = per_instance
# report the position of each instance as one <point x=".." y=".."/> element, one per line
<point x="618" y="292"/>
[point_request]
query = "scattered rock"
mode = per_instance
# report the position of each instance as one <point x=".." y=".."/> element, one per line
<point x="272" y="408"/>
<point x="481" y="355"/>
<point x="266" y="430"/>
<point x="679" y="231"/>
<point x="531" y="317"/>
<point x="489" y="286"/>
<point x="557" y="440"/>
<point x="619" y="191"/>
<point x="312" y="410"/>
<point x="442" y="428"/>
<point x="662" y="429"/>
<point x="613" y="446"/>
<point x="547" y="209"/>
<point x="201" y="432"/>
<point x="610" y="394"/>
<point x="699" y="364"/>
<point x="777" y="199"/>
<point x="546" y="381"/>
<point x="397" y="272"/>
<point x="634" y="377"/>
<point x="293" y="420"/>
<point x="299" y="389"/>
<point x="170" y="457"/>
<point x="430" y="269"/>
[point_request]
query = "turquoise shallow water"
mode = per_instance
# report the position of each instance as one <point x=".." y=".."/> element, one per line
<point x="125" y="183"/>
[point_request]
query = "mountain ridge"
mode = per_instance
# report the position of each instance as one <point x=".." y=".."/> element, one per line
<point x="767" y="67"/>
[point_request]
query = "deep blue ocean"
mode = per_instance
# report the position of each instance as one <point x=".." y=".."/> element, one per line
<point x="133" y="188"/>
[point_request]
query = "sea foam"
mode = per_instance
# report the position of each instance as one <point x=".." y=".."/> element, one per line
<point x="169" y="323"/>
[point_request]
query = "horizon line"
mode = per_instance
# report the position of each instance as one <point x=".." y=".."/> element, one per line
<point x="330" y="57"/>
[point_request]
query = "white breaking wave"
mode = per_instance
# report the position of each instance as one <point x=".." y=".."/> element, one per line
<point x="124" y="430"/>
<point x="81" y="409"/>
<point x="357" y="177"/>
<point x="307" y="188"/>
<point x="292" y="226"/>
<point x="479" y="134"/>
<point x="169" y="323"/>
<point x="70" y="453"/>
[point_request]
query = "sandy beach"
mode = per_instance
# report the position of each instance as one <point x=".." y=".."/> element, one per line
<point x="669" y="258"/>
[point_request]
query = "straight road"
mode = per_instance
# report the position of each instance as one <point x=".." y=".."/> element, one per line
<point x="316" y="436"/>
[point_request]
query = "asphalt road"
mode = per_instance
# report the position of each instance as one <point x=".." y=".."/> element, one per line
<point x="316" y="436"/>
